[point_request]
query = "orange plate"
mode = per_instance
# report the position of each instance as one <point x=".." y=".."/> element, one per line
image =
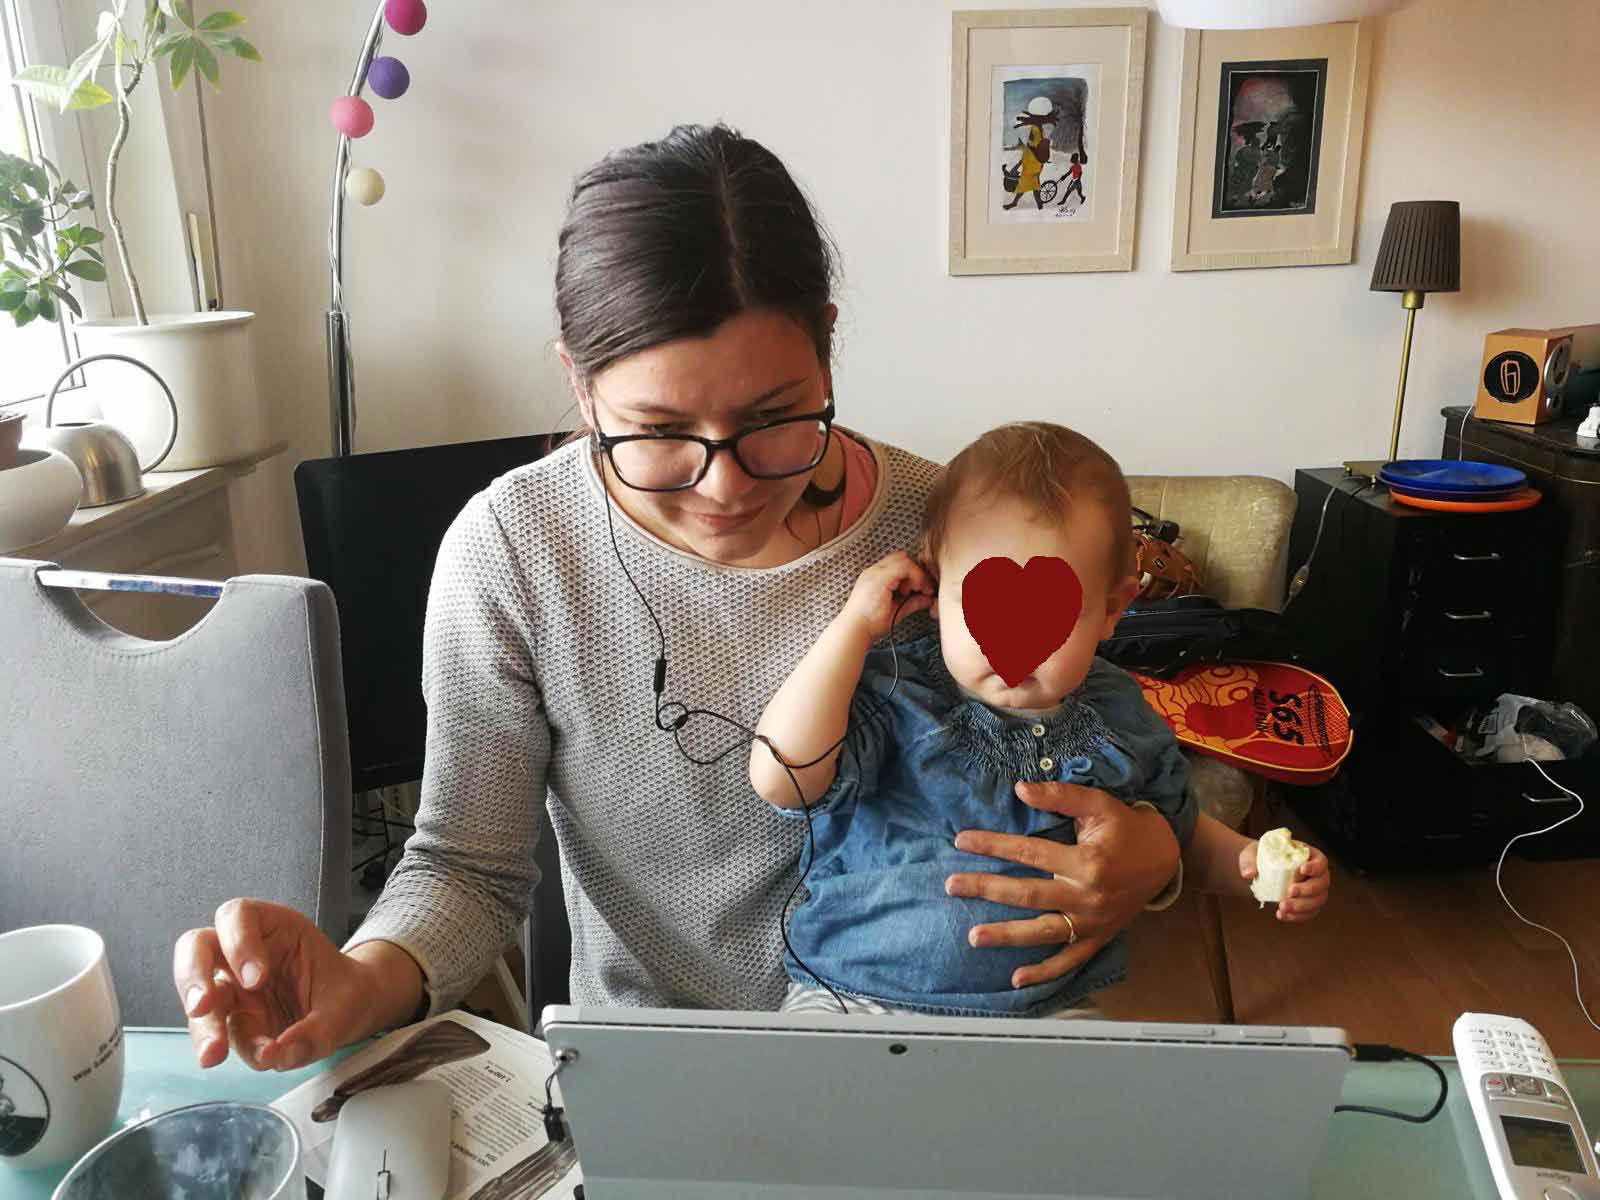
<point x="1526" y="498"/>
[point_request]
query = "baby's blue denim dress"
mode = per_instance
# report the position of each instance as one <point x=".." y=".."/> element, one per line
<point x="917" y="767"/>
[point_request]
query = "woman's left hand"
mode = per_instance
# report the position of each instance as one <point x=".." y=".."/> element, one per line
<point x="1123" y="859"/>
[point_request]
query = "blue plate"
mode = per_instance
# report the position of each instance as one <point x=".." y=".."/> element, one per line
<point x="1451" y="475"/>
<point x="1428" y="493"/>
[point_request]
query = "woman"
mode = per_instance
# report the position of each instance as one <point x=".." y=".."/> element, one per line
<point x="713" y="521"/>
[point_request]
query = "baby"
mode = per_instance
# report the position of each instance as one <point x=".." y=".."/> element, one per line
<point x="937" y="738"/>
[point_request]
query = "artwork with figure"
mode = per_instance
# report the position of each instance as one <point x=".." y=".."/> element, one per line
<point x="1039" y="148"/>
<point x="1269" y="137"/>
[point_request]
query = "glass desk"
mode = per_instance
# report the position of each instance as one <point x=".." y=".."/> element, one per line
<point x="1364" y="1156"/>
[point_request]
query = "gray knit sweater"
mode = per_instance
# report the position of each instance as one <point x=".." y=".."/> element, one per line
<point x="537" y="667"/>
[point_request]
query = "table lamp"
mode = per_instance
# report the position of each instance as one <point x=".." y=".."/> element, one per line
<point x="1420" y="253"/>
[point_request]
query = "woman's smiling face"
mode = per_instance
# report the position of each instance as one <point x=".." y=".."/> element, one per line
<point x="757" y="367"/>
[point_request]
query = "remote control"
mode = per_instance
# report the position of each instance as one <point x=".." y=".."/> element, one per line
<point x="1523" y="1110"/>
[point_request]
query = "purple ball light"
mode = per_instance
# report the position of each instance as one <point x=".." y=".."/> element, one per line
<point x="405" y="16"/>
<point x="388" y="77"/>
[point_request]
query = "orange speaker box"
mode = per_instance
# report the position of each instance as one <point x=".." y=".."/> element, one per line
<point x="1523" y="375"/>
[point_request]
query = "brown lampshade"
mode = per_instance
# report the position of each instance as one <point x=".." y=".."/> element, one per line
<point x="1421" y="248"/>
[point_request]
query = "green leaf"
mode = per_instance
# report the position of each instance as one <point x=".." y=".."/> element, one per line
<point x="84" y="269"/>
<point x="23" y="315"/>
<point x="87" y="63"/>
<point x="237" y="47"/>
<point x="45" y="83"/>
<point x="9" y="301"/>
<point x="184" y="11"/>
<point x="46" y="304"/>
<point x="169" y="42"/>
<point x="181" y="62"/>
<point x="221" y="20"/>
<point x="55" y="172"/>
<point x="89" y="95"/>
<point x="90" y="236"/>
<point x="206" y="63"/>
<point x="49" y="85"/>
<point x="94" y="254"/>
<point x="12" y="283"/>
<point x="66" y="298"/>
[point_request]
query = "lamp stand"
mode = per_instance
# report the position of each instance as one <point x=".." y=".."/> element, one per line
<point x="1368" y="469"/>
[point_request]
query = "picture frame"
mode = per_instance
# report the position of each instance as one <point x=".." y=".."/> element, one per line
<point x="1045" y="113"/>
<point x="1270" y="132"/>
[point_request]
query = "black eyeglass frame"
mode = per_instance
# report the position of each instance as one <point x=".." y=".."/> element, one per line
<point x="606" y="444"/>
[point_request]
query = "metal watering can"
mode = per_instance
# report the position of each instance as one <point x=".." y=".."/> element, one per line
<point x="103" y="454"/>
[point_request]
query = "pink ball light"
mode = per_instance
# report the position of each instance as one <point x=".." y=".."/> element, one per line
<point x="351" y="116"/>
<point x="405" y="16"/>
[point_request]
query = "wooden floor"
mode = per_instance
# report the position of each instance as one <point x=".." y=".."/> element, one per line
<point x="1391" y="959"/>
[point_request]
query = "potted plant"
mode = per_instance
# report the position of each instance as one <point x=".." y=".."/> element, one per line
<point x="206" y="358"/>
<point x="35" y="272"/>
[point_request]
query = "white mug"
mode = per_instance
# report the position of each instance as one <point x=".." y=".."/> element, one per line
<point x="60" y="1045"/>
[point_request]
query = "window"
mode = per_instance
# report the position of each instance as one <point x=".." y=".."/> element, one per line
<point x="30" y="357"/>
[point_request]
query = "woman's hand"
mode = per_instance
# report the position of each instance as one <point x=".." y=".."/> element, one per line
<point x="268" y="981"/>
<point x="1123" y="859"/>
<point x="880" y="589"/>
<point x="1307" y="894"/>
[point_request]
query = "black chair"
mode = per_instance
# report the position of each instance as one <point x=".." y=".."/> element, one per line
<point x="372" y="525"/>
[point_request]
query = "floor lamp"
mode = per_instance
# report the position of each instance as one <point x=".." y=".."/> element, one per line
<point x="1420" y="253"/>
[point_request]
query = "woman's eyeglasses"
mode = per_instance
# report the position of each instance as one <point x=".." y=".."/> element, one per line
<point x="671" y="462"/>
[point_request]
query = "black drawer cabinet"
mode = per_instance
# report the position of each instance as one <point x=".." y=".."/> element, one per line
<point x="1410" y="611"/>
<point x="1567" y="470"/>
<point x="1406" y="604"/>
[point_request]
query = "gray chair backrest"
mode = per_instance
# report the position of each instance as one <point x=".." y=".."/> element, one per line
<point x="143" y="783"/>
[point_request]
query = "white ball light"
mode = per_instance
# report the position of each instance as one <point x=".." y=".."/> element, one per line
<point x="364" y="186"/>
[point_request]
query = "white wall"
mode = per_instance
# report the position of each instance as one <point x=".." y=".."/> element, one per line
<point x="449" y="279"/>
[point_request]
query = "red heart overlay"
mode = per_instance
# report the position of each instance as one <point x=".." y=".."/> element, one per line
<point x="1020" y="616"/>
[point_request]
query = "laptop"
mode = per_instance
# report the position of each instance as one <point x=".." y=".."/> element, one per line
<point x="680" y="1104"/>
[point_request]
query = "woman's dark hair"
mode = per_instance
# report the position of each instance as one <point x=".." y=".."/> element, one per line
<point x="669" y="239"/>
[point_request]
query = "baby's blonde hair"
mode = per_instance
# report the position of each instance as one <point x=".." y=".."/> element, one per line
<point x="1049" y="468"/>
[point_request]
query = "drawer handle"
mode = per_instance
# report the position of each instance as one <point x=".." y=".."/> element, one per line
<point x="1477" y="616"/>
<point x="1492" y="556"/>
<point x="1475" y="673"/>
<point x="1562" y="799"/>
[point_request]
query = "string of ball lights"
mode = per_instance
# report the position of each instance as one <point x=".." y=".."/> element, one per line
<point x="354" y="118"/>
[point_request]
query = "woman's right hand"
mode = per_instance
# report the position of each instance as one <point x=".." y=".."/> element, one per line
<point x="265" y="979"/>
<point x="882" y="587"/>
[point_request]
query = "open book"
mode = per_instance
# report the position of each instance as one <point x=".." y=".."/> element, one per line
<point x="498" y="1147"/>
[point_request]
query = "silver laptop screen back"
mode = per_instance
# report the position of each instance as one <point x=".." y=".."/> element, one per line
<point x="671" y="1105"/>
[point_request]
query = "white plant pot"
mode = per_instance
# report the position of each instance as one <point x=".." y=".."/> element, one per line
<point x="209" y="363"/>
<point x="37" y="497"/>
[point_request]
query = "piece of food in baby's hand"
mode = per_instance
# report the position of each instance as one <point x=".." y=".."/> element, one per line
<point x="1278" y="857"/>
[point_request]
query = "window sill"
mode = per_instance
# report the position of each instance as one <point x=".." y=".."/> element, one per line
<point x="164" y="492"/>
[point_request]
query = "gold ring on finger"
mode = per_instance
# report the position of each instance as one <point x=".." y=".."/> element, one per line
<point x="1072" y="929"/>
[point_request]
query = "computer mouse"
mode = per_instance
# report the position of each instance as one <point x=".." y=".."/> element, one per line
<point x="392" y="1143"/>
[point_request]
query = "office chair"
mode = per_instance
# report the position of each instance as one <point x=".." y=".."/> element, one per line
<point x="145" y="782"/>
<point x="372" y="525"/>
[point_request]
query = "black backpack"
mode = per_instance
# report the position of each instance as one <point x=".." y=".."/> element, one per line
<point x="1163" y="637"/>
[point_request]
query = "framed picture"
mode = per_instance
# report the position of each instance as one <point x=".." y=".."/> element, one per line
<point x="1045" y="108"/>
<point x="1269" y="146"/>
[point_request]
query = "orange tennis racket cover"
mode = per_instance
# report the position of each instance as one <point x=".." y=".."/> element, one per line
<point x="1274" y="719"/>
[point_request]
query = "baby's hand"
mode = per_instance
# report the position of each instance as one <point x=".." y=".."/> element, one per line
<point x="881" y="588"/>
<point x="1309" y="891"/>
